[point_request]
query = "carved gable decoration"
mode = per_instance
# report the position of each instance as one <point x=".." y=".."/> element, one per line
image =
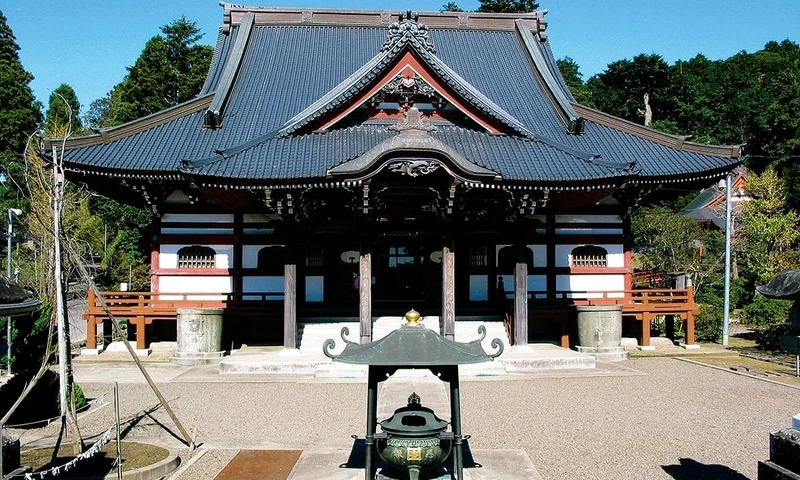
<point x="405" y="73"/>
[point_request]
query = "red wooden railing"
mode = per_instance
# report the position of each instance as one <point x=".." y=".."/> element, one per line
<point x="642" y="304"/>
<point x="142" y="308"/>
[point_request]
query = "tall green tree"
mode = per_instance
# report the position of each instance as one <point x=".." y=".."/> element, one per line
<point x="570" y="71"/>
<point x="63" y="109"/>
<point x="451" y="7"/>
<point x="19" y="116"/>
<point x="508" y="6"/>
<point x="637" y="90"/>
<point x="171" y="69"/>
<point x="497" y="6"/>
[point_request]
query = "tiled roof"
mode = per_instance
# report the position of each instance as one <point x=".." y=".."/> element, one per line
<point x="288" y="67"/>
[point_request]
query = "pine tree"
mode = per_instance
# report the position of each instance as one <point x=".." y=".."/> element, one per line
<point x="508" y="6"/>
<point x="63" y="109"/>
<point x="171" y="69"/>
<point x="19" y="114"/>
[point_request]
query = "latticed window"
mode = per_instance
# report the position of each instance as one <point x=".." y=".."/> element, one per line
<point x="314" y="257"/>
<point x="589" y="256"/>
<point x="196" y="256"/>
<point x="478" y="256"/>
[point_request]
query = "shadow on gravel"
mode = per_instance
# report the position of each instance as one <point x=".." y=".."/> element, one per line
<point x="690" y="469"/>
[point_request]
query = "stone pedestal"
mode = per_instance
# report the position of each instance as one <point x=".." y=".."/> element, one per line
<point x="199" y="336"/>
<point x="784" y="457"/>
<point x="600" y="332"/>
<point x="11" y="454"/>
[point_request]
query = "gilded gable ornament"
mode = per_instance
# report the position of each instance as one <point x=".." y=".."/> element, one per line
<point x="408" y="27"/>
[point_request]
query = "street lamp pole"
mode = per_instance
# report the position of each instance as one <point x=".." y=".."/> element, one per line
<point x="11" y="213"/>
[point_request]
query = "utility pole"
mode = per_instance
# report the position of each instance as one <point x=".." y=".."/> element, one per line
<point x="9" y="234"/>
<point x="727" y="295"/>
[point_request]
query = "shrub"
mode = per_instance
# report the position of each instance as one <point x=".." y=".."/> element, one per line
<point x="708" y="323"/>
<point x="769" y="337"/>
<point x="763" y="312"/>
<point x="769" y="319"/>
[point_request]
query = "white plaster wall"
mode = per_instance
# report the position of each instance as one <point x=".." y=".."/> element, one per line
<point x="192" y="284"/>
<point x="590" y="283"/>
<point x="198" y="231"/>
<point x="616" y="254"/>
<point x="168" y="256"/>
<point x="197" y="218"/>
<point x="263" y="284"/>
<point x="250" y="254"/>
<point x="588" y="219"/>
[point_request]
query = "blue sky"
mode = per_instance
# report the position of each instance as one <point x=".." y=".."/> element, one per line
<point x="88" y="43"/>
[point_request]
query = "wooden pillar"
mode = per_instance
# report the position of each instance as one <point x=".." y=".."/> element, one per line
<point x="563" y="319"/>
<point x="91" y="323"/>
<point x="550" y="236"/>
<point x="689" y="328"/>
<point x="155" y="250"/>
<point x="238" y="254"/>
<point x="448" y="292"/>
<point x="365" y="294"/>
<point x="140" y="340"/>
<point x="521" y="304"/>
<point x="646" y="317"/>
<point x="290" y="300"/>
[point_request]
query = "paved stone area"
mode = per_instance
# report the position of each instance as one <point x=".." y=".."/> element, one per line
<point x="654" y="418"/>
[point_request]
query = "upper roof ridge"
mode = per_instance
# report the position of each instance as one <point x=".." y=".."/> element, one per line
<point x="406" y="29"/>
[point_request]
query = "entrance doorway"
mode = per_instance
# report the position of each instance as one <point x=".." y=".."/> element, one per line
<point x="407" y="273"/>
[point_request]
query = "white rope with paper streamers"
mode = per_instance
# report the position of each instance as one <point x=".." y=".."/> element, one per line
<point x="56" y="471"/>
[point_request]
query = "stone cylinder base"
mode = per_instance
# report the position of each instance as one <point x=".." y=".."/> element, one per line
<point x="199" y="339"/>
<point x="606" y="354"/>
<point x="599" y="326"/>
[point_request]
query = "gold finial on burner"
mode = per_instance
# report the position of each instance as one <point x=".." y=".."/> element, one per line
<point x="412" y="318"/>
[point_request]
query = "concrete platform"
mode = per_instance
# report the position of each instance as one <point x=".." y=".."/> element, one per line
<point x="274" y="361"/>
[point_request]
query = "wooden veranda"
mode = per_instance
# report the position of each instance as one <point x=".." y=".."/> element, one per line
<point x="144" y="308"/>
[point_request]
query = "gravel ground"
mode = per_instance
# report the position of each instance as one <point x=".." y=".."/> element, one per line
<point x="675" y="420"/>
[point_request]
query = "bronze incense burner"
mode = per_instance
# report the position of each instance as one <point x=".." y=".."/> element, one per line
<point x="414" y="439"/>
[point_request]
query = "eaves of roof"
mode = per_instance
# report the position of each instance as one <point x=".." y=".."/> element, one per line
<point x="111" y="134"/>
<point x="677" y="142"/>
